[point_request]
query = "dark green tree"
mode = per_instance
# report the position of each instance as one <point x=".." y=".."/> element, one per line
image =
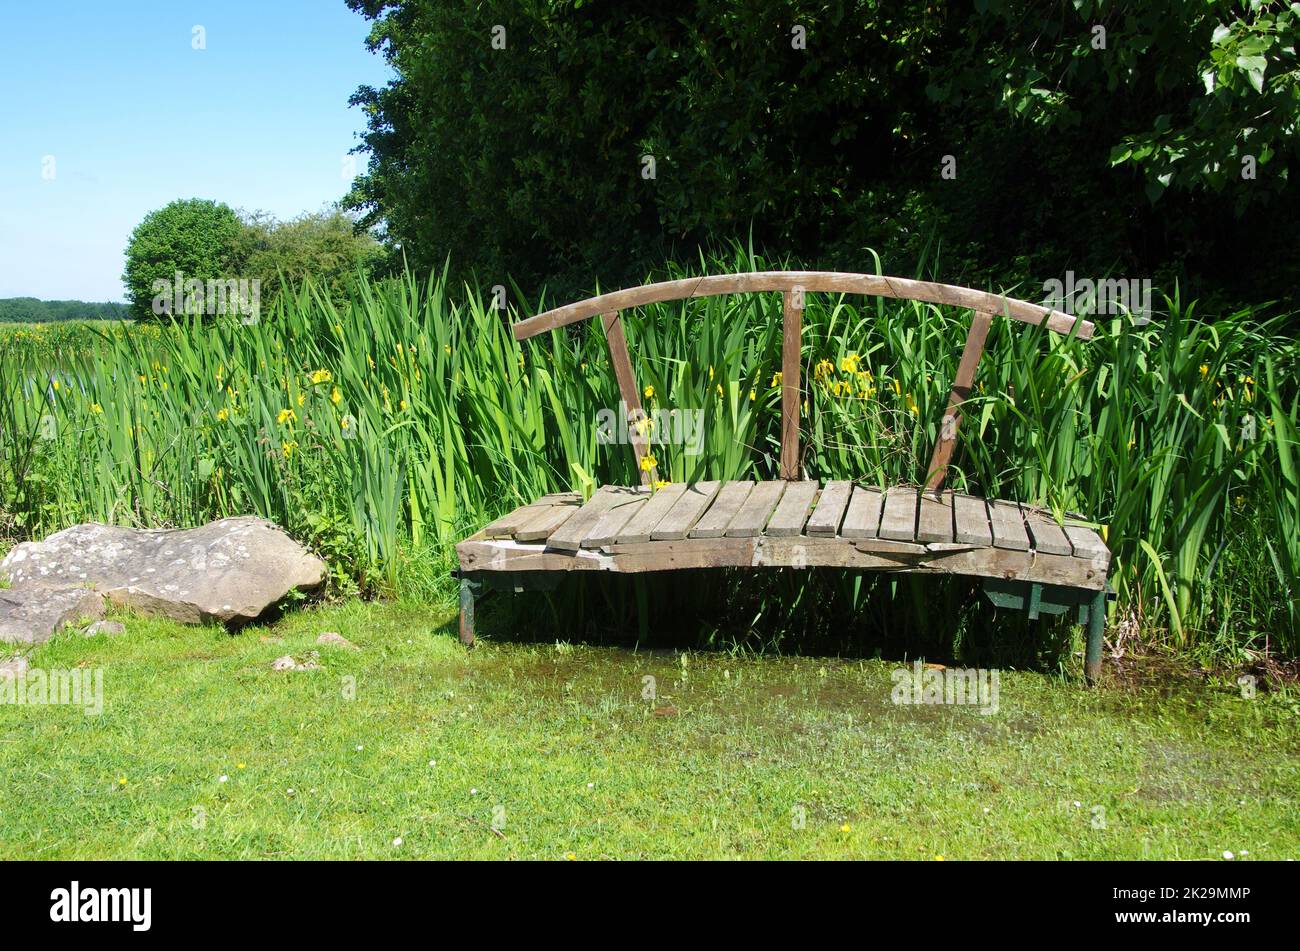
<point x="197" y="238"/>
<point x="566" y="141"/>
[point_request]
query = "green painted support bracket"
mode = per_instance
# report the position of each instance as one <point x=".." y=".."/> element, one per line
<point x="1036" y="598"/>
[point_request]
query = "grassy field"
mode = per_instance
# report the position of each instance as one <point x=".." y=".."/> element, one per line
<point x="555" y="751"/>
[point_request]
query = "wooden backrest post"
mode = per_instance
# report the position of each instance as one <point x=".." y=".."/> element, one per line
<point x="961" y="386"/>
<point x="637" y="424"/>
<point x="791" y="370"/>
<point x="793" y="285"/>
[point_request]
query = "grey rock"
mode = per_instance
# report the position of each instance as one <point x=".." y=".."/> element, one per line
<point x="228" y="570"/>
<point x="32" y="613"/>
<point x="335" y="639"/>
<point x="13" y="668"/>
<point x="287" y="662"/>
<point x="110" y="628"/>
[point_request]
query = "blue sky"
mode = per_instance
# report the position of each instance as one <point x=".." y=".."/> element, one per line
<point x="134" y="116"/>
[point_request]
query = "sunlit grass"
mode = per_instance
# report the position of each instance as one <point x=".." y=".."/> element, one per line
<point x="563" y="751"/>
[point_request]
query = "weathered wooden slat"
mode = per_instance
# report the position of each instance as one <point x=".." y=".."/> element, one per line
<point x="791" y="367"/>
<point x="826" y="517"/>
<point x="477" y="554"/>
<point x="684" y="553"/>
<point x="757" y="509"/>
<point x="714" y="522"/>
<point x="934" y="523"/>
<point x="792" y="511"/>
<point x="605" y="532"/>
<point x="569" y="536"/>
<point x="908" y="552"/>
<point x="621" y="362"/>
<point x="862" y="520"/>
<point x="547" y="521"/>
<point x="508" y="524"/>
<point x="645" y="521"/>
<point x="1087" y="543"/>
<point x="961" y="385"/>
<point x="898" y="518"/>
<point x="809" y="282"/>
<point x="1046" y="535"/>
<point x="681" y="518"/>
<point x="972" y="521"/>
<point x="1008" y="525"/>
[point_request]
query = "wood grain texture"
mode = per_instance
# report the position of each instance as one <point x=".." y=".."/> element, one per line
<point x="811" y="282"/>
<point x="480" y="554"/>
<point x="508" y="524"/>
<point x="961" y="386"/>
<point x="569" y="536"/>
<point x="714" y="522"/>
<point x="829" y="513"/>
<point x="934" y="522"/>
<point x="607" y="529"/>
<point x="791" y="371"/>
<point x="753" y="515"/>
<point x="686" y="511"/>
<point x="546" y="521"/>
<point x="971" y="516"/>
<point x="641" y="524"/>
<point x="898" y="518"/>
<point x="1008" y="525"/>
<point x="781" y="524"/>
<point x="1087" y="543"/>
<point x="792" y="511"/>
<point x="621" y="362"/>
<point x="1045" y="534"/>
<point x="862" y="520"/>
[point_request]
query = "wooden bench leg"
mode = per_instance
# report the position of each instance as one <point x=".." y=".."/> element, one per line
<point x="1096" y="628"/>
<point x="468" y="591"/>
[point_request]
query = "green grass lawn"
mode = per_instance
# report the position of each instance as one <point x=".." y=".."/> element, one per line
<point x="551" y="751"/>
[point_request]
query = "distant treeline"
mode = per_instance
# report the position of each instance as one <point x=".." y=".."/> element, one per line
<point x="30" y="310"/>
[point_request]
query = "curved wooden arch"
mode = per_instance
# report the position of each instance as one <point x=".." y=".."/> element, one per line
<point x="793" y="285"/>
<point x="900" y="288"/>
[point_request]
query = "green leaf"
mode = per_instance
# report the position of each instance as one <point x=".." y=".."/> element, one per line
<point x="1170" y="601"/>
<point x="586" y="483"/>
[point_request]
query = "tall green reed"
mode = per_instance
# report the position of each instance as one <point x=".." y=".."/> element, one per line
<point x="397" y="422"/>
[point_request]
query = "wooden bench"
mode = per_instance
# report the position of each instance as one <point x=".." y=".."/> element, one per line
<point x="1025" y="558"/>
